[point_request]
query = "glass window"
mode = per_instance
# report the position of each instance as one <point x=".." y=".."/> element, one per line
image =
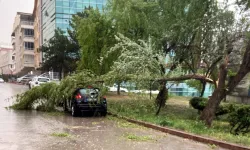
<point x="99" y="1"/>
<point x="59" y="15"/>
<point x="28" y="32"/>
<point x="59" y="9"/>
<point x="92" y="5"/>
<point x="72" y="4"/>
<point x="65" y="4"/>
<point x="43" y="79"/>
<point x="66" y="10"/>
<point x="86" y="1"/>
<point x="99" y="6"/>
<point x="29" y="45"/>
<point x="78" y="5"/>
<point x="59" y="3"/>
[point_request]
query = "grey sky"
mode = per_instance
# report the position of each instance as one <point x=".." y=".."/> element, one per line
<point x="8" y="10"/>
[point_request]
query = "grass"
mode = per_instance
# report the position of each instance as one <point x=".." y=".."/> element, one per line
<point x="55" y="134"/>
<point x="177" y="114"/>
<point x="134" y="137"/>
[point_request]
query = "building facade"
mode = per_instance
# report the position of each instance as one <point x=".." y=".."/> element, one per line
<point x="58" y="13"/>
<point x="37" y="33"/>
<point x="6" y="60"/>
<point x="23" y="43"/>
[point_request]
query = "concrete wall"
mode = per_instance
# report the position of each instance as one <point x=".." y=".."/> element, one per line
<point x="241" y="93"/>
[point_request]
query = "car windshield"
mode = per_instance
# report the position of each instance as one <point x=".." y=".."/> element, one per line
<point x="43" y="79"/>
<point x="87" y="91"/>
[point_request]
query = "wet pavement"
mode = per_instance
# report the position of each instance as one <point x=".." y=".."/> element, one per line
<point x="32" y="130"/>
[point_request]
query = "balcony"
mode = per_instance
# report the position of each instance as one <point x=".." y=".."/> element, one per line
<point x="28" y="64"/>
<point x="28" y="38"/>
<point x="27" y="24"/>
<point x="13" y="41"/>
<point x="29" y="51"/>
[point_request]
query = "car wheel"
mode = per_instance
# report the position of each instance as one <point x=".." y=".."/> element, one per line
<point x="73" y="111"/>
<point x="104" y="113"/>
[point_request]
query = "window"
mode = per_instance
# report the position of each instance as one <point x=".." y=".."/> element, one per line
<point x="29" y="45"/>
<point x="13" y="57"/>
<point x="28" y="32"/>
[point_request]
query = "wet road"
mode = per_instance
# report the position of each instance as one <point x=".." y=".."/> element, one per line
<point x="32" y="130"/>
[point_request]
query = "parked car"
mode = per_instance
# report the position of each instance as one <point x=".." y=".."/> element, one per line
<point x="86" y="100"/>
<point x="1" y="80"/>
<point x="114" y="89"/>
<point x="25" y="79"/>
<point x="37" y="81"/>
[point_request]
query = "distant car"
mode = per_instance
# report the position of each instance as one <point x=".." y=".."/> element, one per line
<point x="86" y="100"/>
<point x="1" y="80"/>
<point x="37" y="81"/>
<point x="114" y="89"/>
<point x="25" y="79"/>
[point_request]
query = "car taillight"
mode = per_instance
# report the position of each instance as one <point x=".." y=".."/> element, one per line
<point x="78" y="96"/>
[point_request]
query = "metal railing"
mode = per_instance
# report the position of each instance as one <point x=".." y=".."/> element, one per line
<point x="27" y="23"/>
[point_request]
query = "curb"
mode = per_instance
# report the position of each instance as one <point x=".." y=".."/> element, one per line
<point x="184" y="134"/>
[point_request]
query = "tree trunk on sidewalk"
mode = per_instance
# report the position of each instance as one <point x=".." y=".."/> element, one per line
<point x="161" y="97"/>
<point x="208" y="113"/>
<point x="203" y="88"/>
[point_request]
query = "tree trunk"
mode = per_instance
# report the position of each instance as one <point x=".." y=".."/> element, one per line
<point x="118" y="88"/>
<point x="203" y="88"/>
<point x="220" y="92"/>
<point x="161" y="97"/>
<point x="208" y="113"/>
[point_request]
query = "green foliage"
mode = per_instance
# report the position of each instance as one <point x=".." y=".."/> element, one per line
<point x="195" y="84"/>
<point x="43" y="95"/>
<point x="177" y="115"/>
<point x="198" y="103"/>
<point x="48" y="95"/>
<point x="240" y="120"/>
<point x="60" y="53"/>
<point x="95" y="33"/>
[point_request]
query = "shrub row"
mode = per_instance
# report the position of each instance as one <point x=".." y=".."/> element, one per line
<point x="239" y="115"/>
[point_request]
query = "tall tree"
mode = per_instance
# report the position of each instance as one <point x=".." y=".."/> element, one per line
<point x="60" y="53"/>
<point x="95" y="34"/>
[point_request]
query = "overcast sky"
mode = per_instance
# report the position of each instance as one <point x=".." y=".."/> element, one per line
<point x="8" y="10"/>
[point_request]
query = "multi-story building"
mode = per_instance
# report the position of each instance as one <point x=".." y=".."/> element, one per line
<point x="37" y="33"/>
<point x="6" y="60"/>
<point x="23" y="43"/>
<point x="52" y="14"/>
<point x="58" y="13"/>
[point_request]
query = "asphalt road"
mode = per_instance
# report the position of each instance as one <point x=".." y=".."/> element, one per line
<point x="32" y="130"/>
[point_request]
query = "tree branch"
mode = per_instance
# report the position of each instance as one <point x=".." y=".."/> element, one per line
<point x="188" y="77"/>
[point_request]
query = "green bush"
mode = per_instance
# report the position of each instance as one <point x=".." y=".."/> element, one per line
<point x="240" y="120"/>
<point x="200" y="103"/>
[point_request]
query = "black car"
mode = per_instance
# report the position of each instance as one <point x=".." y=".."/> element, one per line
<point x="86" y="100"/>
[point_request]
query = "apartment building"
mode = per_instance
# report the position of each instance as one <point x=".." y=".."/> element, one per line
<point x="23" y="43"/>
<point x="37" y="33"/>
<point x="6" y="60"/>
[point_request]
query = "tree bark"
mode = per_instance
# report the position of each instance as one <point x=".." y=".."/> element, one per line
<point x="203" y="88"/>
<point x="118" y="88"/>
<point x="221" y="92"/>
<point x="188" y="77"/>
<point x="161" y="97"/>
<point x="208" y="113"/>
